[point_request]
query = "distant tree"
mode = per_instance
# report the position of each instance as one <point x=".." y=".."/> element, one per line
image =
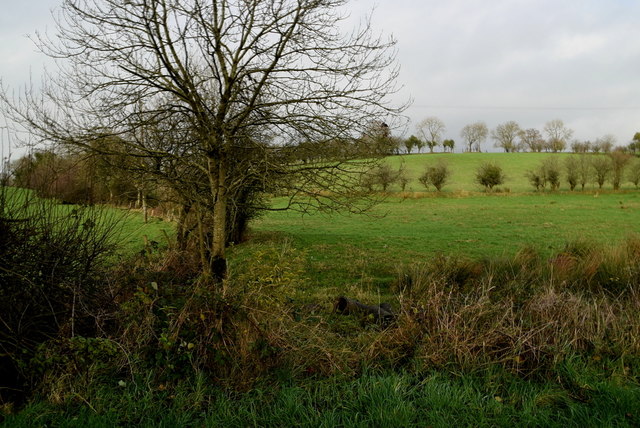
<point x="619" y="161"/>
<point x="633" y="147"/>
<point x="411" y="142"/>
<point x="605" y="143"/>
<point x="557" y="135"/>
<point x="505" y="136"/>
<point x="634" y="172"/>
<point x="377" y="140"/>
<point x="448" y="144"/>
<point x="489" y="175"/>
<point x="584" y="170"/>
<point x="64" y="176"/>
<point x="396" y="144"/>
<point x="602" y="167"/>
<point x="548" y="172"/>
<point x="430" y="131"/>
<point x="578" y="146"/>
<point x="435" y="175"/>
<point x="474" y="134"/>
<point x="531" y="140"/>
<point x="403" y="179"/>
<point x="381" y="177"/>
<point x="636" y="137"/>
<point x="572" y="168"/>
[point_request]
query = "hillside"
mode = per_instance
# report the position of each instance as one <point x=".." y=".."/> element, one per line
<point x="464" y="165"/>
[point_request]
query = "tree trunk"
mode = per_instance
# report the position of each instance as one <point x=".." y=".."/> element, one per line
<point x="217" y="258"/>
<point x="202" y="242"/>
<point x="145" y="210"/>
<point x="181" y="228"/>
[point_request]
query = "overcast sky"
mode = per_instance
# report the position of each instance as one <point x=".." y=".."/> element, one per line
<point x="467" y="60"/>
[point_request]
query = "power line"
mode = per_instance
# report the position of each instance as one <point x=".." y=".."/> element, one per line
<point x="487" y="107"/>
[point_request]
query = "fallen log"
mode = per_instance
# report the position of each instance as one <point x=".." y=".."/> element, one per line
<point x="381" y="313"/>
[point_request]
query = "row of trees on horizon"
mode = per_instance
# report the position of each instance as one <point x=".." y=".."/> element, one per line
<point x="508" y="136"/>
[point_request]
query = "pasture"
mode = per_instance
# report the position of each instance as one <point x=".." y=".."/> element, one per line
<point x="463" y="221"/>
<point x="464" y="165"/>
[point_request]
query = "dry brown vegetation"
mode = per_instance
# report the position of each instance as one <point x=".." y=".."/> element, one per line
<point x="525" y="314"/>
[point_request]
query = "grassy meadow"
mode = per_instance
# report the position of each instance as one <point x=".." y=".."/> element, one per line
<point x="462" y="220"/>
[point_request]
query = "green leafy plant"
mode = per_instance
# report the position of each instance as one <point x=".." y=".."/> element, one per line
<point x="489" y="175"/>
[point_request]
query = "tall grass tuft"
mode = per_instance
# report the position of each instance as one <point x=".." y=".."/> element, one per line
<point x="526" y="313"/>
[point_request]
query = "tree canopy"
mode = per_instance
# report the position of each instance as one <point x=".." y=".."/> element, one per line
<point x="223" y="100"/>
<point x="474" y="134"/>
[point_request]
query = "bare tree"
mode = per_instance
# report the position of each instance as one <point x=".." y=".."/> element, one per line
<point x="619" y="160"/>
<point x="475" y="134"/>
<point x="557" y="135"/>
<point x="572" y="168"/>
<point x="243" y="86"/>
<point x="505" y="136"/>
<point x="430" y="130"/>
<point x="531" y="139"/>
<point x="602" y="167"/>
<point x="605" y="143"/>
<point x="581" y="146"/>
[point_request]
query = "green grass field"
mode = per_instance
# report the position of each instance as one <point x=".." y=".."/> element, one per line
<point x="132" y="233"/>
<point x="343" y="248"/>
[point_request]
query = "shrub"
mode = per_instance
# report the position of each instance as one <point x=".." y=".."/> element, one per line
<point x="489" y="175"/>
<point x="619" y="160"/>
<point x="50" y="262"/>
<point x="547" y="172"/>
<point x="381" y="177"/>
<point x="602" y="167"/>
<point x="536" y="178"/>
<point x="552" y="172"/>
<point x="435" y="175"/>
<point x="403" y="180"/>
<point x="584" y="170"/>
<point x="572" y="167"/>
<point x="634" y="173"/>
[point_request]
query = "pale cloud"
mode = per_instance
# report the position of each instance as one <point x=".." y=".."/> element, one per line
<point x="574" y="46"/>
<point x="524" y="60"/>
